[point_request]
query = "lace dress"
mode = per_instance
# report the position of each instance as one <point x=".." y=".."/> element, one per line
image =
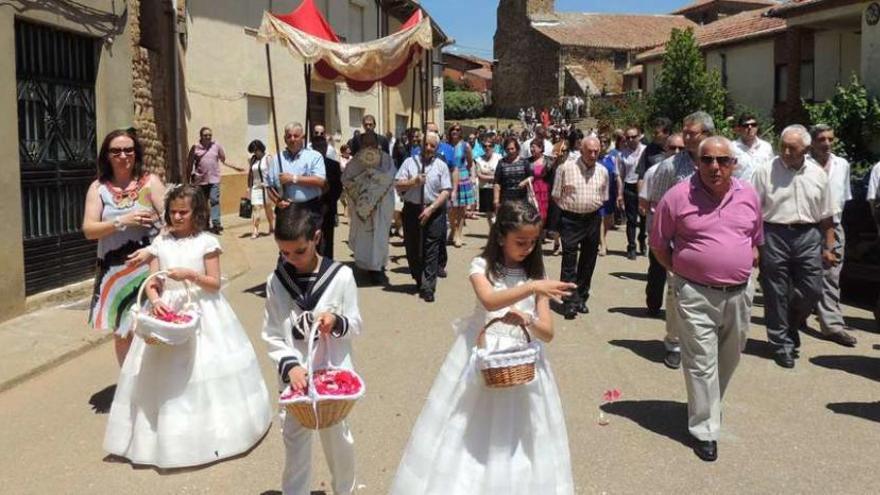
<point x="186" y="405"/>
<point x="473" y="440"/>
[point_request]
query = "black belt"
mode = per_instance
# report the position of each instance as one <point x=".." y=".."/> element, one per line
<point x="578" y="216"/>
<point x="792" y="226"/>
<point x="722" y="288"/>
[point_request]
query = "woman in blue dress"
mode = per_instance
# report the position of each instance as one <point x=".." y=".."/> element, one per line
<point x="463" y="199"/>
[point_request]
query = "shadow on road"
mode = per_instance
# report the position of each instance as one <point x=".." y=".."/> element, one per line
<point x="642" y="277"/>
<point x="864" y="324"/>
<point x="257" y="290"/>
<point x="759" y="348"/>
<point x="637" y="313"/>
<point x="652" y="350"/>
<point x="864" y="366"/>
<point x="663" y="417"/>
<point x="864" y="410"/>
<point x="100" y="401"/>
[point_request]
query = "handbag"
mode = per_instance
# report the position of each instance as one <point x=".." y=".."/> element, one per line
<point x="245" y="208"/>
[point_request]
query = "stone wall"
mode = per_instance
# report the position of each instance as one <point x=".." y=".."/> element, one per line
<point x="598" y="63"/>
<point x="149" y="80"/>
<point x="527" y="73"/>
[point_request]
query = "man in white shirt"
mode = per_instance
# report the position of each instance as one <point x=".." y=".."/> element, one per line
<point x="873" y="200"/>
<point x="630" y="156"/>
<point x="752" y="150"/>
<point x="540" y="134"/>
<point x="830" y="316"/>
<point x="798" y="240"/>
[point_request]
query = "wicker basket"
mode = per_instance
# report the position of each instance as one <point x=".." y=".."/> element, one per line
<point x="506" y="368"/>
<point x="315" y="411"/>
<point x="159" y="332"/>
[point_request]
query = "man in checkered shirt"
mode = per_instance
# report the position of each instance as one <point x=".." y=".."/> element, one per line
<point x="579" y="190"/>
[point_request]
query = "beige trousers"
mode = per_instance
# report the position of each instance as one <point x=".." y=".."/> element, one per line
<point x="713" y="328"/>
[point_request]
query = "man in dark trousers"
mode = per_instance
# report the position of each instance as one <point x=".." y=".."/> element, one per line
<point x="424" y="183"/>
<point x="579" y="189"/>
<point x="330" y="198"/>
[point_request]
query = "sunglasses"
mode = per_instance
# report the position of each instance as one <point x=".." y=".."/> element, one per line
<point x="723" y="161"/>
<point x="675" y="148"/>
<point x="632" y="137"/>
<point x="749" y="125"/>
<point x="121" y="151"/>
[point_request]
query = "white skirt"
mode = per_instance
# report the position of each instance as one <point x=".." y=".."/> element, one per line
<point x="187" y="405"/>
<point x="473" y="440"/>
<point x="258" y="195"/>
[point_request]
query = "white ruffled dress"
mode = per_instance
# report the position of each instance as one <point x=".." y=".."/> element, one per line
<point x="196" y="403"/>
<point x="473" y="440"/>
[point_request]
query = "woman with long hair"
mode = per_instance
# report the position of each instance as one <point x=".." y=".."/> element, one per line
<point x="560" y="156"/>
<point x="123" y="209"/>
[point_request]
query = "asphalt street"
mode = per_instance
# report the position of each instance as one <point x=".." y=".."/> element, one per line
<point x="813" y="429"/>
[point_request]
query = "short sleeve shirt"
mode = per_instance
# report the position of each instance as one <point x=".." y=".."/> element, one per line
<point x="790" y="196"/>
<point x="874" y="183"/>
<point x="437" y="179"/>
<point x="207" y="163"/>
<point x="508" y="176"/>
<point x="306" y="163"/>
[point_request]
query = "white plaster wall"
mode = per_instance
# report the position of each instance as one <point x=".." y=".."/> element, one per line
<point x="750" y="72"/>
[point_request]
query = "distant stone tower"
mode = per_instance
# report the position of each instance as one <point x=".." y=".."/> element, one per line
<point x="517" y="47"/>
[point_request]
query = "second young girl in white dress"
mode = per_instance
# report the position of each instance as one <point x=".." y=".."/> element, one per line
<point x="473" y="440"/>
<point x="201" y="401"/>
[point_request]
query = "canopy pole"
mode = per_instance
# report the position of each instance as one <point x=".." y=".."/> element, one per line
<point x="307" y="70"/>
<point x="412" y="105"/>
<point x="425" y="86"/>
<point x="272" y="102"/>
<point x="272" y="98"/>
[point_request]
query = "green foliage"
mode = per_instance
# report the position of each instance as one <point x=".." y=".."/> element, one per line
<point x="450" y="84"/>
<point x="463" y="105"/>
<point x="855" y="117"/>
<point x="617" y="112"/>
<point x="685" y="86"/>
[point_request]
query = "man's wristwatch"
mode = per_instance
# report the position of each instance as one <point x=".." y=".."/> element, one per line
<point x="118" y="225"/>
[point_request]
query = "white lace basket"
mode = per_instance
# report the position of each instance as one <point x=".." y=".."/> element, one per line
<point x="156" y="331"/>
<point x="506" y="367"/>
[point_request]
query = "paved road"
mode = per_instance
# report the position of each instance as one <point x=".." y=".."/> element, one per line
<point x="813" y="429"/>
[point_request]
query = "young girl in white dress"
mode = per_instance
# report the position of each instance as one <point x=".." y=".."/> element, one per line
<point x="473" y="440"/>
<point x="202" y="401"/>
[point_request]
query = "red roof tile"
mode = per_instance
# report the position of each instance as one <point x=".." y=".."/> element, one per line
<point x="701" y="3"/>
<point x="612" y="31"/>
<point x="736" y="28"/>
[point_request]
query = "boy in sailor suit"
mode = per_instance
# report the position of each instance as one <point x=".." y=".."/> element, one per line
<point x="306" y="288"/>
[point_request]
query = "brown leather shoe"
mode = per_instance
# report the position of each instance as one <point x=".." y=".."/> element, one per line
<point x="843" y="338"/>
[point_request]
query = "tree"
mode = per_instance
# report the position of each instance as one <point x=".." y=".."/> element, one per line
<point x="463" y="104"/>
<point x="684" y="85"/>
<point x="855" y="117"/>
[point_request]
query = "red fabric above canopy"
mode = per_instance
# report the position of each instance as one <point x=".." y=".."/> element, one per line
<point x="308" y="19"/>
<point x="307" y="34"/>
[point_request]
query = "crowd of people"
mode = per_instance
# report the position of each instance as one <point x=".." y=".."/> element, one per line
<point x="708" y="212"/>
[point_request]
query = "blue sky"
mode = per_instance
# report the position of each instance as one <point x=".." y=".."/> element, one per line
<point x="472" y="22"/>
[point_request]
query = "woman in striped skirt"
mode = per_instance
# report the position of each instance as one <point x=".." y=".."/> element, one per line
<point x="122" y="212"/>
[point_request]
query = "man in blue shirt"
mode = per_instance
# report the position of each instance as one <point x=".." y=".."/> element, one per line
<point x="297" y="177"/>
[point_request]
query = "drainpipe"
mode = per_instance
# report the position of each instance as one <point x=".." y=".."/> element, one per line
<point x="180" y="173"/>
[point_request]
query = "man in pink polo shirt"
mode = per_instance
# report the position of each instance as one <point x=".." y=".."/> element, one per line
<point x="707" y="231"/>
